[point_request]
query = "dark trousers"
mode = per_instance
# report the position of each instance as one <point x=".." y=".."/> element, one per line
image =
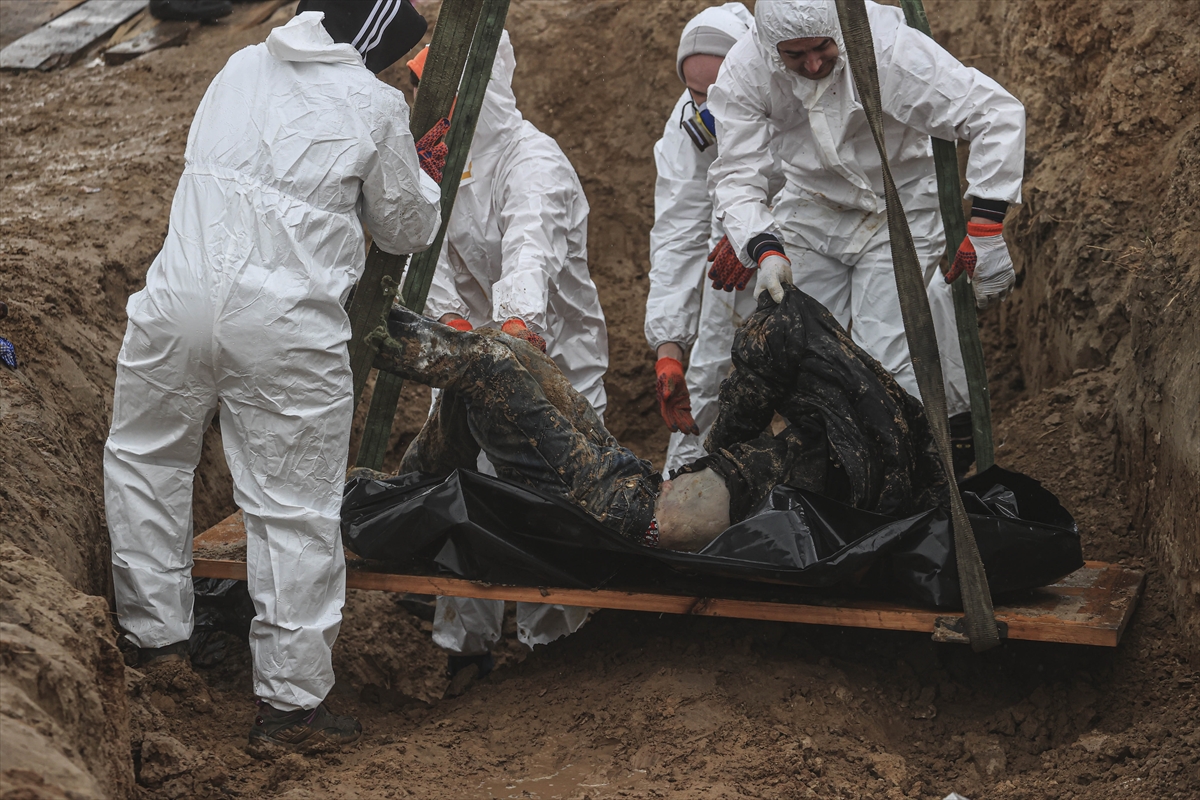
<point x="504" y="396"/>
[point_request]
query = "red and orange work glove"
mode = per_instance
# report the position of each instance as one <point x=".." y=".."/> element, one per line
<point x="432" y="151"/>
<point x="674" y="402"/>
<point x="515" y="327"/>
<point x="727" y="272"/>
<point x="983" y="255"/>
<point x="459" y="324"/>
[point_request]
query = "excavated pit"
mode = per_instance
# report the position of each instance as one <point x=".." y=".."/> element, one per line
<point x="1094" y="374"/>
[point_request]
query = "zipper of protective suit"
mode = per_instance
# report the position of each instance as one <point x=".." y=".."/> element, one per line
<point x="460" y="65"/>
<point x="980" y="619"/>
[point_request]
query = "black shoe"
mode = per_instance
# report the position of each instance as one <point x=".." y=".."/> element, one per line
<point x="148" y="656"/>
<point x="464" y="670"/>
<point x="962" y="444"/>
<point x="190" y="10"/>
<point x="301" y="731"/>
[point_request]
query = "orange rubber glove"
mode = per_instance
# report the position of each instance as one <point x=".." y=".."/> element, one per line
<point x="432" y="152"/>
<point x="515" y="327"/>
<point x="460" y="325"/>
<point x="674" y="402"/>
<point x="727" y="272"/>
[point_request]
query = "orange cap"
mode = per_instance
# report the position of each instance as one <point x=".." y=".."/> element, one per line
<point x="417" y="65"/>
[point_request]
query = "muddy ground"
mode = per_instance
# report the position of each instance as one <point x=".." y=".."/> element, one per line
<point x="1094" y="374"/>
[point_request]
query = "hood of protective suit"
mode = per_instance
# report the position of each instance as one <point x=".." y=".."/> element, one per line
<point x="712" y="32"/>
<point x="499" y="119"/>
<point x="304" y="38"/>
<point x="782" y="20"/>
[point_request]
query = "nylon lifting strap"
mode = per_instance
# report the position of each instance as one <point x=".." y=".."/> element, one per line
<point x="945" y="159"/>
<point x="447" y="55"/>
<point x="475" y="77"/>
<point x="980" y="622"/>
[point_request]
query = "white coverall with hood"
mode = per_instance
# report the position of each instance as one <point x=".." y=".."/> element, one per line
<point x="830" y="215"/>
<point x="516" y="246"/>
<point x="295" y="146"/>
<point x="682" y="306"/>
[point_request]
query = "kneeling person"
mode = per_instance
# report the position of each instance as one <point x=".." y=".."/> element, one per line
<point x="853" y="434"/>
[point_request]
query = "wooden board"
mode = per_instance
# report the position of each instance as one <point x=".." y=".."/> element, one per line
<point x="1092" y="606"/>
<point x="164" y="34"/>
<point x="19" y="17"/>
<point x="63" y="38"/>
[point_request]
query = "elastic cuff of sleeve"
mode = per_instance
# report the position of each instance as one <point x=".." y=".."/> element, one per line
<point x="989" y="209"/>
<point x="761" y="244"/>
<point x="984" y="229"/>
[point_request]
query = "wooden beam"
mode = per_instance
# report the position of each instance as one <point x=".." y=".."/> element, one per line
<point x="20" y="18"/>
<point x="63" y="38"/>
<point x="164" y="34"/>
<point x="1091" y="606"/>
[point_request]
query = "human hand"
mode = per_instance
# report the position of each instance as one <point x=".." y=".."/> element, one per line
<point x="432" y="152"/>
<point x="727" y="272"/>
<point x="674" y="401"/>
<point x="516" y="327"/>
<point x="773" y="272"/>
<point x="984" y="256"/>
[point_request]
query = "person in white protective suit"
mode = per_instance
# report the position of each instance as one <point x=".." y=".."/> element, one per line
<point x="684" y="313"/>
<point x="294" y="148"/>
<point x="788" y="85"/>
<point x="515" y="258"/>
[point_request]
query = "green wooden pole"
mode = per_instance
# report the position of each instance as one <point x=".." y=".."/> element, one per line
<point x="478" y="72"/>
<point x="443" y="71"/>
<point x="945" y="159"/>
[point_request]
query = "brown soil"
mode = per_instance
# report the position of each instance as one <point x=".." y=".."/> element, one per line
<point x="1094" y="373"/>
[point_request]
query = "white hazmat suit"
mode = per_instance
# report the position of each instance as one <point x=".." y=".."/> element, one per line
<point x="295" y="146"/>
<point x="830" y="214"/>
<point x="516" y="246"/>
<point x="682" y="307"/>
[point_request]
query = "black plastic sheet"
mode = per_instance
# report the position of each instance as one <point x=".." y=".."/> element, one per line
<point x="483" y="528"/>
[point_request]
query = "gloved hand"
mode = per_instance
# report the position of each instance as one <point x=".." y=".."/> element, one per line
<point x="515" y="327"/>
<point x="983" y="255"/>
<point x="674" y="402"/>
<point x="727" y="272"/>
<point x="459" y="324"/>
<point x="774" y="270"/>
<point x="432" y="152"/>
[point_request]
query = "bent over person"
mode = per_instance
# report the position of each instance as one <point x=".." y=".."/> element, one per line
<point x="853" y="434"/>
<point x="295" y="146"/>
<point x="785" y="95"/>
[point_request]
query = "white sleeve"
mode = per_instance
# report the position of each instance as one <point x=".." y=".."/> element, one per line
<point x="444" y="297"/>
<point x="741" y="178"/>
<point x="679" y="240"/>
<point x="400" y="203"/>
<point x="536" y="207"/>
<point x="926" y="88"/>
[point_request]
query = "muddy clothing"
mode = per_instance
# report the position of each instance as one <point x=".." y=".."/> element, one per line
<point x="505" y="396"/>
<point x="853" y="434"/>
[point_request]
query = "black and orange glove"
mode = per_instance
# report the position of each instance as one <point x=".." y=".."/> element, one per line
<point x="432" y="151"/>
<point x="727" y="272"/>
<point x="516" y="327"/>
<point x="674" y="402"/>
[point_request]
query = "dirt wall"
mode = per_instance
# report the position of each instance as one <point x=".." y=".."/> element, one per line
<point x="1106" y="242"/>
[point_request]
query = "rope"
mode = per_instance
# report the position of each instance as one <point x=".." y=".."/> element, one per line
<point x="945" y="159"/>
<point x="980" y="619"/>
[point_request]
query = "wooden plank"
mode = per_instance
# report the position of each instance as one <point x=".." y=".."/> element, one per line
<point x="261" y="14"/>
<point x="164" y="34"/>
<point x="1091" y="606"/>
<point x="19" y="18"/>
<point x="63" y="38"/>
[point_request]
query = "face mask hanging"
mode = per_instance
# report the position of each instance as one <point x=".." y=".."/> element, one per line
<point x="700" y="126"/>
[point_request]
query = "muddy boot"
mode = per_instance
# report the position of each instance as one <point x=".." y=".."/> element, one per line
<point x="962" y="444"/>
<point x="300" y="731"/>
<point x="464" y="670"/>
<point x="150" y="656"/>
